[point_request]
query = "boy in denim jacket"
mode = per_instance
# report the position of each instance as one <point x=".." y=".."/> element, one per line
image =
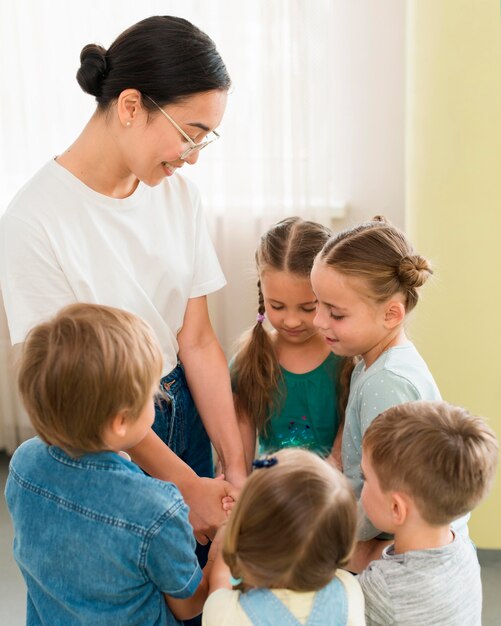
<point x="425" y="464"/>
<point x="97" y="541"/>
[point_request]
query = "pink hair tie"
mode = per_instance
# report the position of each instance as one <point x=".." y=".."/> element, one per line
<point x="260" y="318"/>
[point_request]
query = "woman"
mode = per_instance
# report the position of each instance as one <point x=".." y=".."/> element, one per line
<point x="111" y="221"/>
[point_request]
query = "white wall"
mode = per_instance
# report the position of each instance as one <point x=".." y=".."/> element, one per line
<point x="369" y="148"/>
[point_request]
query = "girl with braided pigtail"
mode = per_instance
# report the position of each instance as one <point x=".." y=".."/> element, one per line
<point x="284" y="376"/>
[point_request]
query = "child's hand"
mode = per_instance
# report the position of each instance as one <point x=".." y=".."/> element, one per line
<point x="217" y="543"/>
<point x="334" y="461"/>
<point x="335" y="458"/>
<point x="228" y="503"/>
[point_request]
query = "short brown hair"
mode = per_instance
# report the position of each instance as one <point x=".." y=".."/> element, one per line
<point x="82" y="368"/>
<point x="437" y="453"/>
<point x="293" y="525"/>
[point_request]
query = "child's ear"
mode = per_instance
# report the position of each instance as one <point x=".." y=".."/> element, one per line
<point x="399" y="508"/>
<point x="119" y="424"/>
<point x="394" y="313"/>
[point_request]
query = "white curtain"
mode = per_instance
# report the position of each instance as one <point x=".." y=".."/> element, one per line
<point x="290" y="141"/>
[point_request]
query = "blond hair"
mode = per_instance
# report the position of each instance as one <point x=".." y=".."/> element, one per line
<point x="439" y="454"/>
<point x="380" y="254"/>
<point x="293" y="524"/>
<point x="83" y="367"/>
<point x="290" y="246"/>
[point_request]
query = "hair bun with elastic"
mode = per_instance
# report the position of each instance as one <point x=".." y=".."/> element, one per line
<point x="413" y="271"/>
<point x="93" y="69"/>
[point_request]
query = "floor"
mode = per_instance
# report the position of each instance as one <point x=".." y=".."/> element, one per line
<point x="13" y="595"/>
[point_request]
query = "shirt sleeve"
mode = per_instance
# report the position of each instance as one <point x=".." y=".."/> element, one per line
<point x="378" y="605"/>
<point x="34" y="286"/>
<point x="382" y="391"/>
<point x="170" y="560"/>
<point x="208" y="275"/>
<point x="223" y="609"/>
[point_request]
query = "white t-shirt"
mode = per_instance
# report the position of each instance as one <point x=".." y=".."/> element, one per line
<point x="62" y="242"/>
<point x="223" y="608"/>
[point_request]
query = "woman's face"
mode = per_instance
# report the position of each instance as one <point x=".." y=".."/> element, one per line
<point x="152" y="145"/>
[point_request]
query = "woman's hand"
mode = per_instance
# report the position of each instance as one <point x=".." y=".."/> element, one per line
<point x="205" y="497"/>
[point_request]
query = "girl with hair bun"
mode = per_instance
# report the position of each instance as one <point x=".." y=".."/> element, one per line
<point x="366" y="280"/>
<point x="112" y="221"/>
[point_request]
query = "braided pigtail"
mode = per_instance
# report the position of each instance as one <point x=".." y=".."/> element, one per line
<point x="256" y="373"/>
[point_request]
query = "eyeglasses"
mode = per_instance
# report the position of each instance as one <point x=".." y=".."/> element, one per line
<point x="210" y="138"/>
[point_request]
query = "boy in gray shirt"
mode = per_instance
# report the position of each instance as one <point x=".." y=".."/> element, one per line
<point x="425" y="464"/>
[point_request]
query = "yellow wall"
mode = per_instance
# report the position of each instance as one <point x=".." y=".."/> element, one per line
<point x="453" y="200"/>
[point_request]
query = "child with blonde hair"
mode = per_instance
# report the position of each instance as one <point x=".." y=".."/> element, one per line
<point x="287" y="383"/>
<point x="289" y="534"/>
<point x="96" y="540"/>
<point x="367" y="281"/>
<point x="425" y="464"/>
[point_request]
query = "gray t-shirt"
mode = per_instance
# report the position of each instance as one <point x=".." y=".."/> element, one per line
<point x="424" y="587"/>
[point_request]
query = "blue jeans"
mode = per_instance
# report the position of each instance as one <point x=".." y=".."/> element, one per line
<point x="178" y="424"/>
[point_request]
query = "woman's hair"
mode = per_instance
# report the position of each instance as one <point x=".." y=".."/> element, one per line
<point x="293" y="525"/>
<point x="382" y="256"/>
<point x="166" y="58"/>
<point x="290" y="246"/>
<point x="84" y="367"/>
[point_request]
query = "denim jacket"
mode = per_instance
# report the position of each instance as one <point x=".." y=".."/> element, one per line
<point x="97" y="541"/>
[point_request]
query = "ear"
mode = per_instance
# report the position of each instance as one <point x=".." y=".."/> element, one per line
<point x="399" y="508"/>
<point x="119" y="424"/>
<point x="394" y="314"/>
<point x="129" y="106"/>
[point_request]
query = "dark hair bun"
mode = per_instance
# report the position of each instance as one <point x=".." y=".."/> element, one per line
<point x="93" y="69"/>
<point x="413" y="271"/>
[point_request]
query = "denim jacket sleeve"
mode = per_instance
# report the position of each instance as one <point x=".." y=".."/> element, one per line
<point x="169" y="553"/>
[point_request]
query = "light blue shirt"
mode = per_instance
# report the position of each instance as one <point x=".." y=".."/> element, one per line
<point x="399" y="375"/>
<point x="97" y="541"/>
